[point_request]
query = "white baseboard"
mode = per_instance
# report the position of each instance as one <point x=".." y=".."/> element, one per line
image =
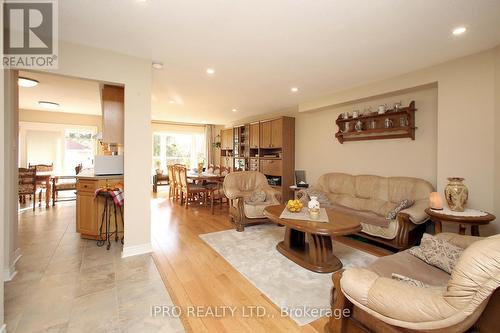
<point x="3" y="329"/>
<point x="10" y="271"/>
<point x="17" y="255"/>
<point x="129" y="251"/>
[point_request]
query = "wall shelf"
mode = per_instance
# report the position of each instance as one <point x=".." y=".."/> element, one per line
<point x="380" y="131"/>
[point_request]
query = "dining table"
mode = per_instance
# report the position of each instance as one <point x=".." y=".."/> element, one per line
<point x="44" y="177"/>
<point x="204" y="176"/>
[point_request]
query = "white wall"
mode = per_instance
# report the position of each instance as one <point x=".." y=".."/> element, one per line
<point x="318" y="151"/>
<point x="497" y="132"/>
<point x="465" y="122"/>
<point x="135" y="73"/>
<point x="2" y="198"/>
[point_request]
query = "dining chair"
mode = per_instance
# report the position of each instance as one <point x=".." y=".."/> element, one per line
<point x="210" y="168"/>
<point x="217" y="196"/>
<point x="159" y="179"/>
<point x="171" y="181"/>
<point x="27" y="184"/>
<point x="189" y="191"/>
<point x="64" y="183"/>
<point x="224" y="170"/>
<point x="41" y="184"/>
<point x="178" y="184"/>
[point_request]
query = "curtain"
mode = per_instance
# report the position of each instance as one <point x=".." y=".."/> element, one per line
<point x="209" y="139"/>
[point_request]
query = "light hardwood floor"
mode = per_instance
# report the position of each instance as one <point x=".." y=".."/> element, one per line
<point x="195" y="275"/>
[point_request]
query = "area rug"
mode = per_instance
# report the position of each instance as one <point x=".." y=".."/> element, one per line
<point x="299" y="293"/>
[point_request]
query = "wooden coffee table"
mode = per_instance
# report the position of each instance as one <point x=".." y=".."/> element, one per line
<point x="308" y="243"/>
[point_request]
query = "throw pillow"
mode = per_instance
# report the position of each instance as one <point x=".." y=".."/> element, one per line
<point x="437" y="252"/>
<point x="391" y="215"/>
<point x="257" y="196"/>
<point x="322" y="197"/>
<point x="409" y="280"/>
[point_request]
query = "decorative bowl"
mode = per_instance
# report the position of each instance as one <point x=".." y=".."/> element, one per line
<point x="294" y="206"/>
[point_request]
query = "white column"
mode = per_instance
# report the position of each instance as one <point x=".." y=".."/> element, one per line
<point x="11" y="135"/>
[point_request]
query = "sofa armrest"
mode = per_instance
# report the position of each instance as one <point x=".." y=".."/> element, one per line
<point x="416" y="212"/>
<point x="274" y="194"/>
<point x="462" y="241"/>
<point x="394" y="300"/>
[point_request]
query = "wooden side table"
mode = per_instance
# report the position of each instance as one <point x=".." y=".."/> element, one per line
<point x="474" y="221"/>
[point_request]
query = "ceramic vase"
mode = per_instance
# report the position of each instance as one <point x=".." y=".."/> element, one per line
<point x="313" y="206"/>
<point x="456" y="194"/>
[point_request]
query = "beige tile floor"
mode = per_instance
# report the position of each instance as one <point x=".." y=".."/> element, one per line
<point x="66" y="284"/>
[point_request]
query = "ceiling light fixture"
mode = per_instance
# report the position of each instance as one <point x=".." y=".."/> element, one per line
<point x="459" y="30"/>
<point x="234" y="110"/>
<point x="171" y="101"/>
<point x="210" y="71"/>
<point x="49" y="105"/>
<point x="157" y="65"/>
<point x="294" y="89"/>
<point x="26" y="82"/>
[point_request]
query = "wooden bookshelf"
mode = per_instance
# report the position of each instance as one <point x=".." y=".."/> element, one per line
<point x="274" y="138"/>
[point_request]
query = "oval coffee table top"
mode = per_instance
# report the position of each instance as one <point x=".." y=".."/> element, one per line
<point x="340" y="224"/>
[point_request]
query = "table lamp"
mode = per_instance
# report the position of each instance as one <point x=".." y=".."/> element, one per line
<point x="435" y="201"/>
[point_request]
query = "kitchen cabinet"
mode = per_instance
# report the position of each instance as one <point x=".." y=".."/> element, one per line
<point x="89" y="209"/>
<point x="113" y="107"/>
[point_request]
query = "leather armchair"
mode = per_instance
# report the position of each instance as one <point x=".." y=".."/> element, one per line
<point x="381" y="304"/>
<point x="239" y="187"/>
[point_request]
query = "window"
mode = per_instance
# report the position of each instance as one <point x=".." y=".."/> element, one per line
<point x="79" y="148"/>
<point x="183" y="148"/>
<point x="64" y="145"/>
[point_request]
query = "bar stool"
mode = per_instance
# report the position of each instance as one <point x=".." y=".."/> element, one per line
<point x="106" y="221"/>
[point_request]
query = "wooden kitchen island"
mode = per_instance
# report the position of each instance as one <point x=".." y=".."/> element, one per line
<point x="89" y="209"/>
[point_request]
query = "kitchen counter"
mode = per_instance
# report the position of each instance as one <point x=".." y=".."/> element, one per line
<point x="89" y="174"/>
<point x="89" y="208"/>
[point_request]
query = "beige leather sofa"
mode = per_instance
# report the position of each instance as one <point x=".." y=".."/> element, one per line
<point x="239" y="187"/>
<point x="452" y="303"/>
<point x="370" y="198"/>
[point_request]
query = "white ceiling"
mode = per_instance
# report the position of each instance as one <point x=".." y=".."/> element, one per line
<point x="72" y="95"/>
<point x="261" y="48"/>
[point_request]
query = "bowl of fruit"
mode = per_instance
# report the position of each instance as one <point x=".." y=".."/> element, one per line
<point x="294" y="206"/>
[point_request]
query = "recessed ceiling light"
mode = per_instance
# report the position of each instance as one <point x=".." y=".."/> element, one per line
<point x="171" y="101"/>
<point x="210" y="71"/>
<point x="294" y="89"/>
<point x="49" y="105"/>
<point x="27" y="83"/>
<point x="459" y="30"/>
<point x="157" y="65"/>
<point x="234" y="110"/>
